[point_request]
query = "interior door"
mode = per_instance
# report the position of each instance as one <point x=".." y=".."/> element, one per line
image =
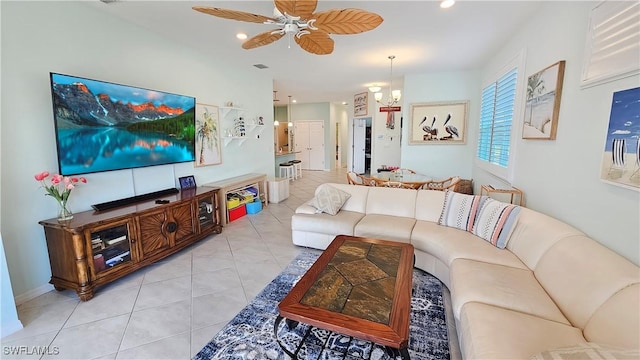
<point x="309" y="139"/>
<point x="316" y="145"/>
<point x="302" y="143"/>
<point x="358" y="145"/>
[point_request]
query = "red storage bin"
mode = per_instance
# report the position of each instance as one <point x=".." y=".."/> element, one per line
<point x="237" y="212"/>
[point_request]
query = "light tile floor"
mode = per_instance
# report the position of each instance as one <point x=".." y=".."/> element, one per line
<point x="171" y="309"/>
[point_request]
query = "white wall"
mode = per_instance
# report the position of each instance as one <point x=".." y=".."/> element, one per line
<point x="75" y="39"/>
<point x="441" y="160"/>
<point x="562" y="177"/>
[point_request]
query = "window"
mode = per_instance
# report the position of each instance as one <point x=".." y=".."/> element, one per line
<point x="498" y="113"/>
<point x="613" y="42"/>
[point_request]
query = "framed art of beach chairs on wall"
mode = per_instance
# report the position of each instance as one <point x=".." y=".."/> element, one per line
<point x="621" y="156"/>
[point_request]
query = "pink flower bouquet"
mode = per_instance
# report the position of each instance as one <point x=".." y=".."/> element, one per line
<point x="59" y="188"/>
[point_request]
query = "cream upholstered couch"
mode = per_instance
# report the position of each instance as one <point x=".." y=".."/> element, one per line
<point x="551" y="287"/>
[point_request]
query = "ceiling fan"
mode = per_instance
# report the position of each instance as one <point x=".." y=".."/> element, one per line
<point x="297" y="18"/>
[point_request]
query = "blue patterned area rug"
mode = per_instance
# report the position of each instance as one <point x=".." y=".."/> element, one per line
<point x="249" y="335"/>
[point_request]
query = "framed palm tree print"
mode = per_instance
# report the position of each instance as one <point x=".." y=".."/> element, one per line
<point x="207" y="135"/>
<point x="544" y="90"/>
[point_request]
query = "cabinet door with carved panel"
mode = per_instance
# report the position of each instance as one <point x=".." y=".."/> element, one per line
<point x="153" y="233"/>
<point x="180" y="223"/>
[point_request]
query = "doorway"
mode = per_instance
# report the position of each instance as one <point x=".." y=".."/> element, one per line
<point x="361" y="145"/>
<point x="309" y="143"/>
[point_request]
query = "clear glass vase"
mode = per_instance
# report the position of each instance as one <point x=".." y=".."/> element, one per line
<point x="64" y="213"/>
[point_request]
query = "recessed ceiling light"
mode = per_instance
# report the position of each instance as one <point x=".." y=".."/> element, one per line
<point x="294" y="101"/>
<point x="344" y="103"/>
<point x="241" y="36"/>
<point x="445" y="4"/>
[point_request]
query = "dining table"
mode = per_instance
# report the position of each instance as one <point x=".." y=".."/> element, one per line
<point x="411" y="180"/>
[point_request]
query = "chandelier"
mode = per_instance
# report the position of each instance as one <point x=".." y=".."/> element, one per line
<point x="394" y="95"/>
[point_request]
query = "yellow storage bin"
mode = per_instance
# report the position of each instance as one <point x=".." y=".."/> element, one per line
<point x="232" y="202"/>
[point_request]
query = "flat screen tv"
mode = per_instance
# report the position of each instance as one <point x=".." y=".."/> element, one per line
<point x="101" y="126"/>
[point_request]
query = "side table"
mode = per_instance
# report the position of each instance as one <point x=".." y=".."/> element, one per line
<point x="514" y="193"/>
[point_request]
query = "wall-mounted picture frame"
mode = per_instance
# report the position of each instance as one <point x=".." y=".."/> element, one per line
<point x="361" y="104"/>
<point x="187" y="182"/>
<point x="621" y="155"/>
<point x="544" y="91"/>
<point x="207" y="135"/>
<point x="438" y="122"/>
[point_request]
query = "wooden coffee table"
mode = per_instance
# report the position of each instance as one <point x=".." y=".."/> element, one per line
<point x="358" y="287"/>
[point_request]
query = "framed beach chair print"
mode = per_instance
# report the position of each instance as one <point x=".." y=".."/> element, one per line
<point x="620" y="159"/>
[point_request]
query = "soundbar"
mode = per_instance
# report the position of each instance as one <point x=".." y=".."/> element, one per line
<point x="134" y="199"/>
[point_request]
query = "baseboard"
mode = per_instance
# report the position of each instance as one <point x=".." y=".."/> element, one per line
<point x="32" y="294"/>
<point x="8" y="329"/>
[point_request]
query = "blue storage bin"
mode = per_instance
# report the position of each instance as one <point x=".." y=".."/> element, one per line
<point x="254" y="207"/>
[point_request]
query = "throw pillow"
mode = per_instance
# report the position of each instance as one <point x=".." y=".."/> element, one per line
<point x="591" y="351"/>
<point x="496" y="221"/>
<point x="460" y="210"/>
<point x="329" y="199"/>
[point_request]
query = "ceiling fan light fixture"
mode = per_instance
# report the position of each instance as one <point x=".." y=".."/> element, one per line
<point x="445" y="4"/>
<point x="301" y="23"/>
<point x="241" y="36"/>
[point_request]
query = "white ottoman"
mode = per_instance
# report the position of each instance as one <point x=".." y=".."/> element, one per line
<point x="278" y="189"/>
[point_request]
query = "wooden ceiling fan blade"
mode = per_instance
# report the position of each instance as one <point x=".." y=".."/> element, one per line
<point x="346" y="21"/>
<point x="261" y="39"/>
<point x="232" y="14"/>
<point x="302" y="8"/>
<point x="317" y="42"/>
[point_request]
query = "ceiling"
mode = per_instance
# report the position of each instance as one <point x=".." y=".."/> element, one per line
<point x="423" y="37"/>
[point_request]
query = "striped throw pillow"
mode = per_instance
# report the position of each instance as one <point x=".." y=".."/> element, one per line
<point x="460" y="210"/>
<point x="496" y="221"/>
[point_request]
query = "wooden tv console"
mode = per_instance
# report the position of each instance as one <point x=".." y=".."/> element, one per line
<point x="96" y="248"/>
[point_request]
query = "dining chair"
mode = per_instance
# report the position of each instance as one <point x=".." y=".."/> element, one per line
<point x="367" y="181"/>
<point x="354" y="179"/>
<point x="397" y="184"/>
<point x="446" y="184"/>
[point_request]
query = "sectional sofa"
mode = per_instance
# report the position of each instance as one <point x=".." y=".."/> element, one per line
<point x="552" y="291"/>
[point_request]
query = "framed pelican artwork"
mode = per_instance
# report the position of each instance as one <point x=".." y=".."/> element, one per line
<point x="438" y="123"/>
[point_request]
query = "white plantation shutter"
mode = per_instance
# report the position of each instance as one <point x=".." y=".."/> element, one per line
<point x="613" y="42"/>
<point x="496" y="118"/>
